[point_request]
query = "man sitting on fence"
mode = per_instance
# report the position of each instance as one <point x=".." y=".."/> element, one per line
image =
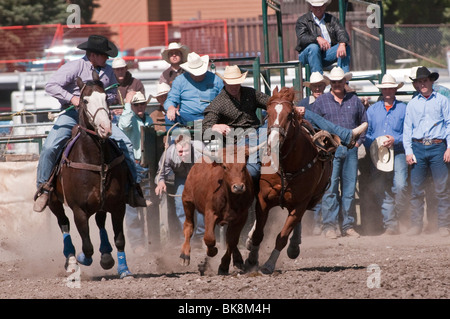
<point x="321" y="38"/>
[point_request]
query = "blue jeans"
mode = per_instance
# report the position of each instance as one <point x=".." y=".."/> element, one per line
<point x="429" y="157"/>
<point x="344" y="134"/>
<point x="199" y="230"/>
<point x="392" y="188"/>
<point x="61" y="133"/>
<point x="318" y="59"/>
<point x="344" y="175"/>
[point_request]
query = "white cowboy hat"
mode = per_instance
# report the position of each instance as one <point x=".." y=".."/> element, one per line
<point x="118" y="63"/>
<point x="232" y="75"/>
<point x="138" y="98"/>
<point x="388" y="82"/>
<point x="382" y="156"/>
<point x="161" y="89"/>
<point x="316" y="77"/>
<point x="318" y="3"/>
<point x="175" y="46"/>
<point x="195" y="64"/>
<point x="338" y="74"/>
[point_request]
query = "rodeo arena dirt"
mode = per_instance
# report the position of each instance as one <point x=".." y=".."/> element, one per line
<point x="31" y="262"/>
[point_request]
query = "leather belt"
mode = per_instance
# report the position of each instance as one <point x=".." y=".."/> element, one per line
<point x="428" y="141"/>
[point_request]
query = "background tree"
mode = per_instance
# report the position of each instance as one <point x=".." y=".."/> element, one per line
<point x="416" y="12"/>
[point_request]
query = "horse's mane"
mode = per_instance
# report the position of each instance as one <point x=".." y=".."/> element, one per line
<point x="94" y="82"/>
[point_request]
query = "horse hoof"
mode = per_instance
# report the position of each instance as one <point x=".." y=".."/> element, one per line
<point x="71" y="264"/>
<point x="222" y="272"/>
<point x="293" y="251"/>
<point x="82" y="259"/>
<point x="106" y="261"/>
<point x="267" y="270"/>
<point x="126" y="274"/>
<point x="212" y="251"/>
<point x="250" y="265"/>
<point x="185" y="260"/>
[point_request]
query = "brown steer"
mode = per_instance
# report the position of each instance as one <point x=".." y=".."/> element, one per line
<point x="222" y="190"/>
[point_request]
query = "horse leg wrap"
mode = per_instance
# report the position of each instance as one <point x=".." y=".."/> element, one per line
<point x="122" y="267"/>
<point x="269" y="266"/>
<point x="105" y="246"/>
<point x="69" y="249"/>
<point x="82" y="259"/>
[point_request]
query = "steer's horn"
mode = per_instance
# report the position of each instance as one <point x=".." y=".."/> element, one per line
<point x="207" y="153"/>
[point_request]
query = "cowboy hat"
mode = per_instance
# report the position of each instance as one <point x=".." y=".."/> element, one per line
<point x="388" y="82"/>
<point x="138" y="98"/>
<point x="338" y="74"/>
<point x="315" y="78"/>
<point x="161" y="89"/>
<point x="175" y="46"/>
<point x="382" y="156"/>
<point x="195" y="64"/>
<point x="233" y="75"/>
<point x="318" y="3"/>
<point x="422" y="72"/>
<point x="99" y="44"/>
<point x="118" y="63"/>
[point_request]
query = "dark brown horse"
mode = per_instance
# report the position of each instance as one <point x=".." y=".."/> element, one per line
<point x="91" y="180"/>
<point x="293" y="177"/>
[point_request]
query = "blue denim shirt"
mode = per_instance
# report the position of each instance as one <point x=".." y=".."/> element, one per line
<point x="382" y="122"/>
<point x="426" y="118"/>
<point x="193" y="97"/>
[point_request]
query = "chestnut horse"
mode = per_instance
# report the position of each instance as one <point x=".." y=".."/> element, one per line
<point x="91" y="180"/>
<point x="293" y="177"/>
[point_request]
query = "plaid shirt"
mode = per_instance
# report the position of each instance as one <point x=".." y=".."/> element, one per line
<point x="225" y="109"/>
<point x="349" y="114"/>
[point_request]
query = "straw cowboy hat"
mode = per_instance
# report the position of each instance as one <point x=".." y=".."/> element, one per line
<point x="318" y="3"/>
<point x="195" y="64"/>
<point x="422" y="72"/>
<point x="118" y="63"/>
<point x="138" y="98"/>
<point x="233" y="75"/>
<point x="161" y="89"/>
<point x="315" y="78"/>
<point x="99" y="44"/>
<point x="382" y="156"/>
<point x="388" y="82"/>
<point x="175" y="46"/>
<point x="338" y="74"/>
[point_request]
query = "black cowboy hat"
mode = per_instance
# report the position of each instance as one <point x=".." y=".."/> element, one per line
<point x="99" y="44"/>
<point x="423" y="72"/>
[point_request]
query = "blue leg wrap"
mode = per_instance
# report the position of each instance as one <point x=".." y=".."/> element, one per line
<point x="105" y="246"/>
<point x="122" y="267"/>
<point x="82" y="259"/>
<point x="69" y="249"/>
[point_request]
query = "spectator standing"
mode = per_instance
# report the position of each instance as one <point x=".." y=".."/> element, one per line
<point x="178" y="160"/>
<point x="175" y="54"/>
<point x="385" y="136"/>
<point x="426" y="138"/>
<point x="130" y="122"/>
<point x="346" y="110"/>
<point x="321" y="38"/>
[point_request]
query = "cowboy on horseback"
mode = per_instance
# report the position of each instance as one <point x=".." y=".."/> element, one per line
<point x="62" y="86"/>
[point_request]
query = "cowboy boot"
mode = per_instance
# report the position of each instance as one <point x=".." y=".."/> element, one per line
<point x="356" y="133"/>
<point x="41" y="198"/>
<point x="136" y="197"/>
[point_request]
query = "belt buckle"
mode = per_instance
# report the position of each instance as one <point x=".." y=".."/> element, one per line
<point x="427" y="141"/>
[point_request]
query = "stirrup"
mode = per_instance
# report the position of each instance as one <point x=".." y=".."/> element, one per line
<point x="326" y="144"/>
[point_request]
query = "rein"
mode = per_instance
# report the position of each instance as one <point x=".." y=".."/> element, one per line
<point x="287" y="177"/>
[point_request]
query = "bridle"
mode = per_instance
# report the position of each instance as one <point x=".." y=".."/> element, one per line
<point x="90" y="116"/>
